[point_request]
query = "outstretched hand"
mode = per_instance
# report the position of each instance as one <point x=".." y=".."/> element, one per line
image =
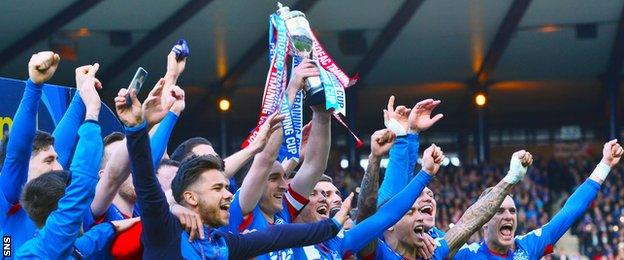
<point x="381" y="142"/>
<point x="153" y="109"/>
<point x="432" y="159"/>
<point x="420" y="116"/>
<point x="42" y="66"/>
<point x="612" y="153"/>
<point x="342" y="215"/>
<point x="270" y="125"/>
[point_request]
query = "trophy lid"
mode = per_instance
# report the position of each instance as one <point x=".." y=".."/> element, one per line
<point x="285" y="13"/>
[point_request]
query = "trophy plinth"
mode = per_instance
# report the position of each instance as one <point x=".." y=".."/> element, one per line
<point x="301" y="41"/>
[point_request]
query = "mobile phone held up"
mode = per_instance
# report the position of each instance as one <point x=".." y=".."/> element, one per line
<point x="136" y="84"/>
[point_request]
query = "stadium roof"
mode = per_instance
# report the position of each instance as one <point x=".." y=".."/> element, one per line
<point x="544" y="62"/>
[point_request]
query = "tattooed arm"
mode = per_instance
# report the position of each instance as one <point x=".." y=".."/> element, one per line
<point x="479" y="213"/>
<point x="381" y="141"/>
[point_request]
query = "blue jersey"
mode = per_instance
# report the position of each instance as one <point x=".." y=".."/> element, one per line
<point x="540" y="242"/>
<point x="384" y="252"/>
<point x="292" y="204"/>
<point x="350" y="242"/>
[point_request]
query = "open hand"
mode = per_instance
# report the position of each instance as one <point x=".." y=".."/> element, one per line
<point x="420" y="116"/>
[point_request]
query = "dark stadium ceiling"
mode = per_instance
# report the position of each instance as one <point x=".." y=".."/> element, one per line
<point x="551" y="59"/>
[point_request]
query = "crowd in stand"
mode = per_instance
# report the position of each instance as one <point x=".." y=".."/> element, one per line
<point x="600" y="231"/>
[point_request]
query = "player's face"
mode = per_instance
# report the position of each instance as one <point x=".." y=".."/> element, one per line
<point x="212" y="197"/>
<point x="166" y="173"/>
<point x="410" y="226"/>
<point x="318" y="207"/>
<point x="42" y="162"/>
<point x="271" y="201"/>
<point x="331" y="193"/>
<point x="427" y="206"/>
<point x="501" y="228"/>
<point x="203" y="149"/>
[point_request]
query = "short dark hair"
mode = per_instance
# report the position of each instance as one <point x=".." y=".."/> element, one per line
<point x="168" y="162"/>
<point x="189" y="173"/>
<point x="326" y="178"/>
<point x="41" y="142"/>
<point x="113" y="137"/>
<point x="41" y="195"/>
<point x="185" y="149"/>
<point x="109" y="139"/>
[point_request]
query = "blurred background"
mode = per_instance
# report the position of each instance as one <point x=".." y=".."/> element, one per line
<point x="540" y="75"/>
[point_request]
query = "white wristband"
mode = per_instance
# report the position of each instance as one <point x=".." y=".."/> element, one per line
<point x="396" y="127"/>
<point x="516" y="171"/>
<point x="601" y="171"/>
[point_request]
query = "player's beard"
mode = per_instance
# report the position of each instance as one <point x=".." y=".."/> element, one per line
<point x="126" y="191"/>
<point x="212" y="215"/>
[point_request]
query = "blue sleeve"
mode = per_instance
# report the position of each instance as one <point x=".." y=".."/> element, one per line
<point x="65" y="134"/>
<point x="15" y="168"/>
<point x="390" y="213"/>
<point x="441" y="250"/>
<point x="278" y="237"/>
<point x="56" y="239"/>
<point x="159" y="140"/>
<point x="95" y="241"/>
<point x="413" y="144"/>
<point x="159" y="225"/>
<point x="541" y="241"/>
<point x="397" y="174"/>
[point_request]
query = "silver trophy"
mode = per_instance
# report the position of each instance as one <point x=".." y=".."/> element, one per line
<point x="301" y="40"/>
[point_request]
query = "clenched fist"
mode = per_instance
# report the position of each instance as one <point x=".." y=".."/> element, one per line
<point x="42" y="66"/>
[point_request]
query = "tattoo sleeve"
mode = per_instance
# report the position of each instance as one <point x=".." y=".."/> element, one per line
<point x="476" y="216"/>
<point x="367" y="200"/>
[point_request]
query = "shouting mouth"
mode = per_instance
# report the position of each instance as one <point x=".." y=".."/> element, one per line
<point x="506" y="231"/>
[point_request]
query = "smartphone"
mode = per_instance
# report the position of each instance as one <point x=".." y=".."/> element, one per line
<point x="136" y="84"/>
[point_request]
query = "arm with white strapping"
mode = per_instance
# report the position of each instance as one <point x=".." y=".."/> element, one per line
<point x="579" y="201"/>
<point x="484" y="209"/>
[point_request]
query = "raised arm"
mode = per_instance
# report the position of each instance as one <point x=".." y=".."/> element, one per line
<point x="484" y="209"/>
<point x="381" y="141"/>
<point x="406" y="124"/>
<point x="392" y="211"/>
<point x="316" y="152"/>
<point x="159" y="225"/>
<point x="278" y="237"/>
<point x="14" y="174"/>
<point x="578" y="202"/>
<point x="254" y="183"/>
<point x="66" y="132"/>
<point x="117" y="168"/>
<point x="63" y="224"/>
